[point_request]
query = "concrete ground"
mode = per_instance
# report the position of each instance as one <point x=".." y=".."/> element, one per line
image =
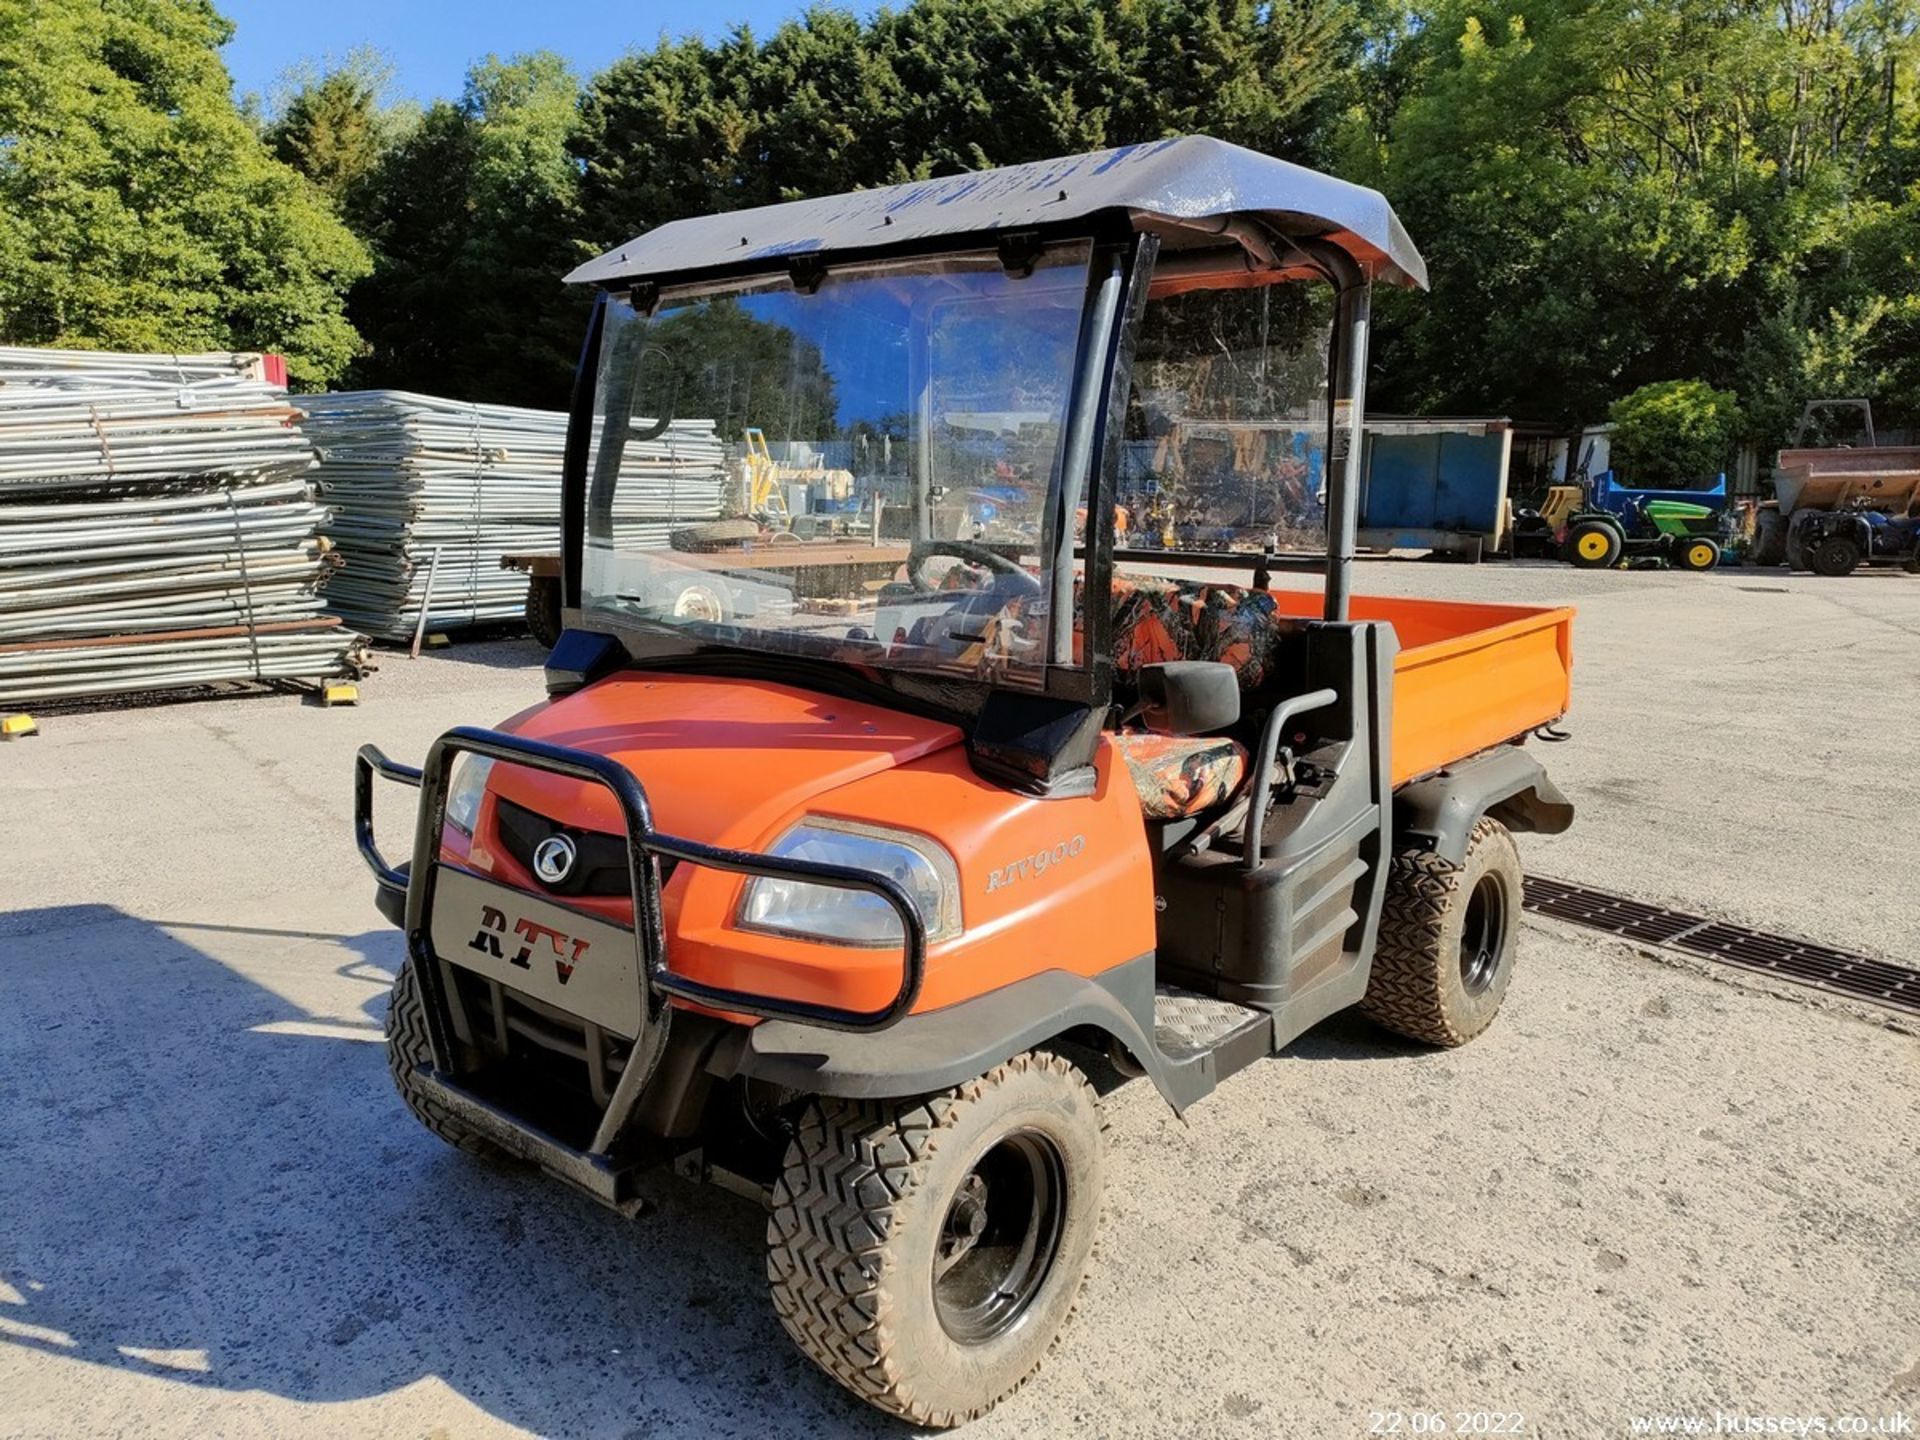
<point x="1652" y="1189"/>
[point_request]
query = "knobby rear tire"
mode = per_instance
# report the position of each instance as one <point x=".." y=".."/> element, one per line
<point x="858" y="1217"/>
<point x="1834" y="557"/>
<point x="1795" y="550"/>
<point x="1605" y="559"/>
<point x="1417" y="987"/>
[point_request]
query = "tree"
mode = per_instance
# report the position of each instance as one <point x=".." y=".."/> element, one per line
<point x="140" y="211"/>
<point x="828" y="103"/>
<point x="472" y="218"/>
<point x="1610" y="192"/>
<point x="1673" y="434"/>
<point x="333" y="125"/>
<point x="718" y="361"/>
<point x="414" y="213"/>
<point x="476" y="212"/>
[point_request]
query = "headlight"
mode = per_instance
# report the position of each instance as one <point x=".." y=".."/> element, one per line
<point x="463" y="794"/>
<point x="855" y="917"/>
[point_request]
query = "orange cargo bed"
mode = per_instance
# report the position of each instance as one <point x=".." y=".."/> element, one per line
<point x="1469" y="675"/>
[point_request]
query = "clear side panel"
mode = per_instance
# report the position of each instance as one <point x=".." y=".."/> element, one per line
<point x="1225" y="447"/>
<point x="860" y="472"/>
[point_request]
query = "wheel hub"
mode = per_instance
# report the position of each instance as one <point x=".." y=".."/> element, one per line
<point x="999" y="1238"/>
<point x="698" y="603"/>
<point x="966" y="1223"/>
<point x="1483" y="934"/>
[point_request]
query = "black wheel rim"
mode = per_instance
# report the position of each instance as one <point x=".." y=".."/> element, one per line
<point x="1483" y="933"/>
<point x="1000" y="1237"/>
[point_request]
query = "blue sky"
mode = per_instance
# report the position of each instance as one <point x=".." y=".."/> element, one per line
<point x="431" y="42"/>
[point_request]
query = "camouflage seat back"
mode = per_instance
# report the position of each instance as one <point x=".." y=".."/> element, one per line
<point x="1156" y="620"/>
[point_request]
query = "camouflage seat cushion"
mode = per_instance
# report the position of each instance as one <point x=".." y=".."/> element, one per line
<point x="1180" y="775"/>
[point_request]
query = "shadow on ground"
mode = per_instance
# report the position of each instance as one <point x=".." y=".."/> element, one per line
<point x="191" y="1196"/>
<point x="1350" y="1036"/>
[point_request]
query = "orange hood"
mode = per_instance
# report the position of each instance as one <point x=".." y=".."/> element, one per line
<point x="721" y="759"/>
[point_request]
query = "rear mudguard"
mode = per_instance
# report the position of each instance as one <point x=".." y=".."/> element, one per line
<point x="1505" y="783"/>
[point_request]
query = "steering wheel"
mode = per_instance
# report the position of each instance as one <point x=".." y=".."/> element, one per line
<point x="971" y="554"/>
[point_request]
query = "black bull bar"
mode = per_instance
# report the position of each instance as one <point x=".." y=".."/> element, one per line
<point x="645" y="847"/>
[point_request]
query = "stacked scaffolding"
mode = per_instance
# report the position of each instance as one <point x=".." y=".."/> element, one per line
<point x="410" y="477"/>
<point x="156" y="528"/>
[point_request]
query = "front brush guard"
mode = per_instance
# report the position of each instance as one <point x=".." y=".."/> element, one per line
<point x="645" y="847"/>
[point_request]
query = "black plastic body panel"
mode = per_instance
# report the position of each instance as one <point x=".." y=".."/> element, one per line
<point x="391" y="903"/>
<point x="943" y="1047"/>
<point x="581" y="657"/>
<point x="1295" y="934"/>
<point x="1036" y="743"/>
<point x="938" y="1048"/>
<point x="1505" y="782"/>
<point x="1275" y="934"/>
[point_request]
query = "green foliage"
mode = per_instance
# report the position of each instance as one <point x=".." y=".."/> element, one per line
<point x="473" y="220"/>
<point x="138" y="208"/>
<point x="333" y="126"/>
<point x="1608" y="192"/>
<point x="718" y="361"/>
<point x="1611" y="191"/>
<point x="829" y="104"/>
<point x="1673" y="434"/>
<point x="476" y="212"/>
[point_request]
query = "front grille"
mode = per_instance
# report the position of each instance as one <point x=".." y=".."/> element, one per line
<point x="601" y="868"/>
<point x="580" y="1062"/>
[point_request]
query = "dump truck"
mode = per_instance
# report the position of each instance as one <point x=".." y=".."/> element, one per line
<point x="1838" y="507"/>
<point x="861" y="913"/>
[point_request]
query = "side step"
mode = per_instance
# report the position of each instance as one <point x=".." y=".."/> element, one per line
<point x="1203" y="1040"/>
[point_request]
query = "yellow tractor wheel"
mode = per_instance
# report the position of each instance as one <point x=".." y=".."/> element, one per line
<point x="1699" y="554"/>
<point x="1593" y="545"/>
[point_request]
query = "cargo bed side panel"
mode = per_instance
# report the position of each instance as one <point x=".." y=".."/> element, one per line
<point x="1455" y="698"/>
<point x="1469" y="674"/>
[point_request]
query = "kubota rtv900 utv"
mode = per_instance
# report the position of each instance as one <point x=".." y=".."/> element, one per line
<point x="842" y="898"/>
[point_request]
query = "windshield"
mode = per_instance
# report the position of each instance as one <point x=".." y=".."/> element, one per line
<point x="1226" y="438"/>
<point x="863" y="472"/>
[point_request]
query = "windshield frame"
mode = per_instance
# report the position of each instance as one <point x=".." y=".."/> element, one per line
<point x="1113" y="275"/>
<point x="1117" y="242"/>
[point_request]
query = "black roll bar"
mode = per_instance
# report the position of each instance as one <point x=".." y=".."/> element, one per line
<point x="370" y="761"/>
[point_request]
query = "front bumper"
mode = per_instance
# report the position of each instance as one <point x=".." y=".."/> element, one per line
<point x="405" y="895"/>
<point x="597" y="1175"/>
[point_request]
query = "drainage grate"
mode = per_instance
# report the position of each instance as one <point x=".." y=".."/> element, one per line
<point x="1844" y="972"/>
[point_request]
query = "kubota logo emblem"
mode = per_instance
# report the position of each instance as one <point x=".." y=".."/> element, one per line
<point x="567" y="951"/>
<point x="553" y="858"/>
<point x="1036" y="864"/>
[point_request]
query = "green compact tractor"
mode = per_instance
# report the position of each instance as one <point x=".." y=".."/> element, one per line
<point x="1652" y="526"/>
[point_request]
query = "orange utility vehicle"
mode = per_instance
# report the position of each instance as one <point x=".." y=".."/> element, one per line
<point x="855" y="910"/>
